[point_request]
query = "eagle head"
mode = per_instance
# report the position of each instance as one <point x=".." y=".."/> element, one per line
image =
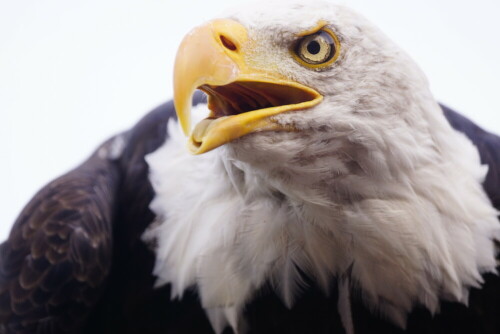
<point x="329" y="157"/>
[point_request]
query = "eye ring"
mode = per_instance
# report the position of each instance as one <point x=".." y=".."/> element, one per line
<point x="317" y="50"/>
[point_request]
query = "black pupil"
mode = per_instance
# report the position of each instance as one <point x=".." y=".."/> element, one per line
<point x="313" y="47"/>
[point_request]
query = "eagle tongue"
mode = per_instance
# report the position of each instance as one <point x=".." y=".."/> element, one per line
<point x="200" y="130"/>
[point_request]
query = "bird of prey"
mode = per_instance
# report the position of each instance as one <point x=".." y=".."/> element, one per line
<point x="322" y="190"/>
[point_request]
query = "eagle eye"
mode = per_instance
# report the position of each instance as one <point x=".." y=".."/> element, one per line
<point x="318" y="49"/>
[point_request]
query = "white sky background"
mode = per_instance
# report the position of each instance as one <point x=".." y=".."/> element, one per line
<point x="72" y="73"/>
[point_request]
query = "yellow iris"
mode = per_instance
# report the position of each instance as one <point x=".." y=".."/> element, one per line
<point x="318" y="49"/>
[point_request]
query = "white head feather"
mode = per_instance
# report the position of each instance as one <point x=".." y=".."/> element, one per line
<point x="376" y="182"/>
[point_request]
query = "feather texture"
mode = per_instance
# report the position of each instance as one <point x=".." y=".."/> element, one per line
<point x="375" y="180"/>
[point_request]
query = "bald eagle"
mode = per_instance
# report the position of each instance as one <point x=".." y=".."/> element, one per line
<point x="322" y="190"/>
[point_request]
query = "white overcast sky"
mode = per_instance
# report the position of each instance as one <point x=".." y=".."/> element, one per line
<point x="72" y="73"/>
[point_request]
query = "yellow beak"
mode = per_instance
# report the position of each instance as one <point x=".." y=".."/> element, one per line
<point x="242" y="99"/>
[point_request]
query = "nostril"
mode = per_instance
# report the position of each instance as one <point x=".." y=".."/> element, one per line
<point x="227" y="43"/>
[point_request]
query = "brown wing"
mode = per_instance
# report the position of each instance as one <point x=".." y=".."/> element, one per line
<point x="55" y="262"/>
<point x="74" y="261"/>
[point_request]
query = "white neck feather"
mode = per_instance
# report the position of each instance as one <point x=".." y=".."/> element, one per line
<point x="227" y="228"/>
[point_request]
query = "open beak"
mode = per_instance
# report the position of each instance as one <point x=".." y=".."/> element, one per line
<point x="241" y="99"/>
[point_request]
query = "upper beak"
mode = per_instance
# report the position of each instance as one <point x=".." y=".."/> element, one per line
<point x="242" y="99"/>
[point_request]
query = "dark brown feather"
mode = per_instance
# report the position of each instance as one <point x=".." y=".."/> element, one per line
<point x="75" y="262"/>
<point x="53" y="256"/>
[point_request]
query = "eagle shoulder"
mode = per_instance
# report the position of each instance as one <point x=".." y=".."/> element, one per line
<point x="80" y="235"/>
<point x="56" y="260"/>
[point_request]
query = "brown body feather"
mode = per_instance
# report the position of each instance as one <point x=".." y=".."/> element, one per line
<point x="57" y="258"/>
<point x="75" y="262"/>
